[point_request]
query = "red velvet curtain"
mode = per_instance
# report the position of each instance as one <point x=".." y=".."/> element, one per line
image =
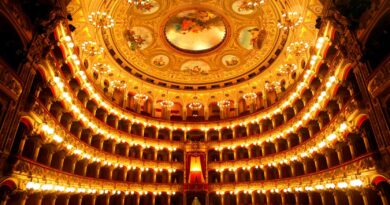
<point x="202" y="156"/>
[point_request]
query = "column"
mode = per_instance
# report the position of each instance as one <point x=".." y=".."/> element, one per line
<point x="170" y="136"/>
<point x="352" y="148"/>
<point x="153" y="198"/>
<point x="293" y="170"/>
<point x="89" y="137"/>
<point x="21" y="145"/>
<point x="251" y="174"/>
<point x="66" y="200"/>
<point x="156" y="134"/>
<point x="137" y="199"/>
<point x="310" y="196"/>
<point x="253" y="197"/>
<point x="104" y="119"/>
<point x="101" y="142"/>
<point x="336" y="198"/>
<point x="328" y="158"/>
<point x="248" y="131"/>
<point x="124" y="173"/>
<point x="52" y="199"/>
<point x="349" y="196"/>
<point x="283" y="197"/>
<point x="250" y="152"/>
<point x="268" y="198"/>
<point x="265" y="170"/>
<point x="366" y="142"/>
<point x="169" y="199"/>
<point x="297" y="198"/>
<point x="222" y="199"/>
<point x="280" y="172"/>
<point x="127" y="149"/>
<point x="260" y="127"/>
<point x="236" y="175"/>
<point x="383" y="198"/>
<point x="219" y="135"/>
<point x="50" y="152"/>
<point x="285" y="116"/>
<point x="39" y="198"/>
<point x="155" y="152"/>
<point x="141" y="152"/>
<point x="304" y="163"/>
<point x="277" y="147"/>
<point x="273" y="120"/>
<point x="110" y="170"/>
<point x="122" y="199"/>
<point x="5" y="200"/>
<point x="234" y="132"/>
<point x="107" y="199"/>
<point x="113" y="146"/>
<point x="79" y="199"/>
<point x="288" y="142"/>
<point x="364" y="193"/>
<point x="85" y="166"/>
<point x="154" y="176"/>
<point x="129" y="124"/>
<point x="38" y="145"/>
<point x="93" y="199"/>
<point x="73" y="164"/>
<point x="139" y="175"/>
<point x="263" y="150"/>
<point x="323" y="197"/>
<point x="238" y="198"/>
<point x="142" y="130"/>
<point x="317" y="163"/>
<point x="339" y="153"/>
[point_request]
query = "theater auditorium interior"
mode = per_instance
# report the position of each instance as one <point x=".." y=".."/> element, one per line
<point x="194" y="102"/>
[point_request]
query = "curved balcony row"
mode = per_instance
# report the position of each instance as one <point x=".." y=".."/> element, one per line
<point x="61" y="147"/>
<point x="265" y="154"/>
<point x="52" y="155"/>
<point x="303" y="190"/>
<point x="339" y="151"/>
<point x="59" y="182"/>
<point x="152" y="131"/>
<point x="123" y="114"/>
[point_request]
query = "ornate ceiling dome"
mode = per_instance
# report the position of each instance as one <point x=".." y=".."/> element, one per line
<point x="178" y="44"/>
<point x="225" y="47"/>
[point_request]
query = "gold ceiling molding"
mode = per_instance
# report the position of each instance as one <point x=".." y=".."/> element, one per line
<point x="235" y="64"/>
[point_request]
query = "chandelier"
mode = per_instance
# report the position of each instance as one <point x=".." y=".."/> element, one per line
<point x="119" y="84"/>
<point x="91" y="48"/>
<point x="101" y="20"/>
<point x="167" y="104"/>
<point x="249" y="97"/>
<point x="290" y="20"/>
<point x="251" y="4"/>
<point x="195" y="106"/>
<point x="271" y="86"/>
<point x="138" y="2"/>
<point x="297" y="48"/>
<point x="223" y="104"/>
<point x="286" y="69"/>
<point x="140" y="98"/>
<point x="101" y="68"/>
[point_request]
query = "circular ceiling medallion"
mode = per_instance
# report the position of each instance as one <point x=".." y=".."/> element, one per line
<point x="195" y="30"/>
